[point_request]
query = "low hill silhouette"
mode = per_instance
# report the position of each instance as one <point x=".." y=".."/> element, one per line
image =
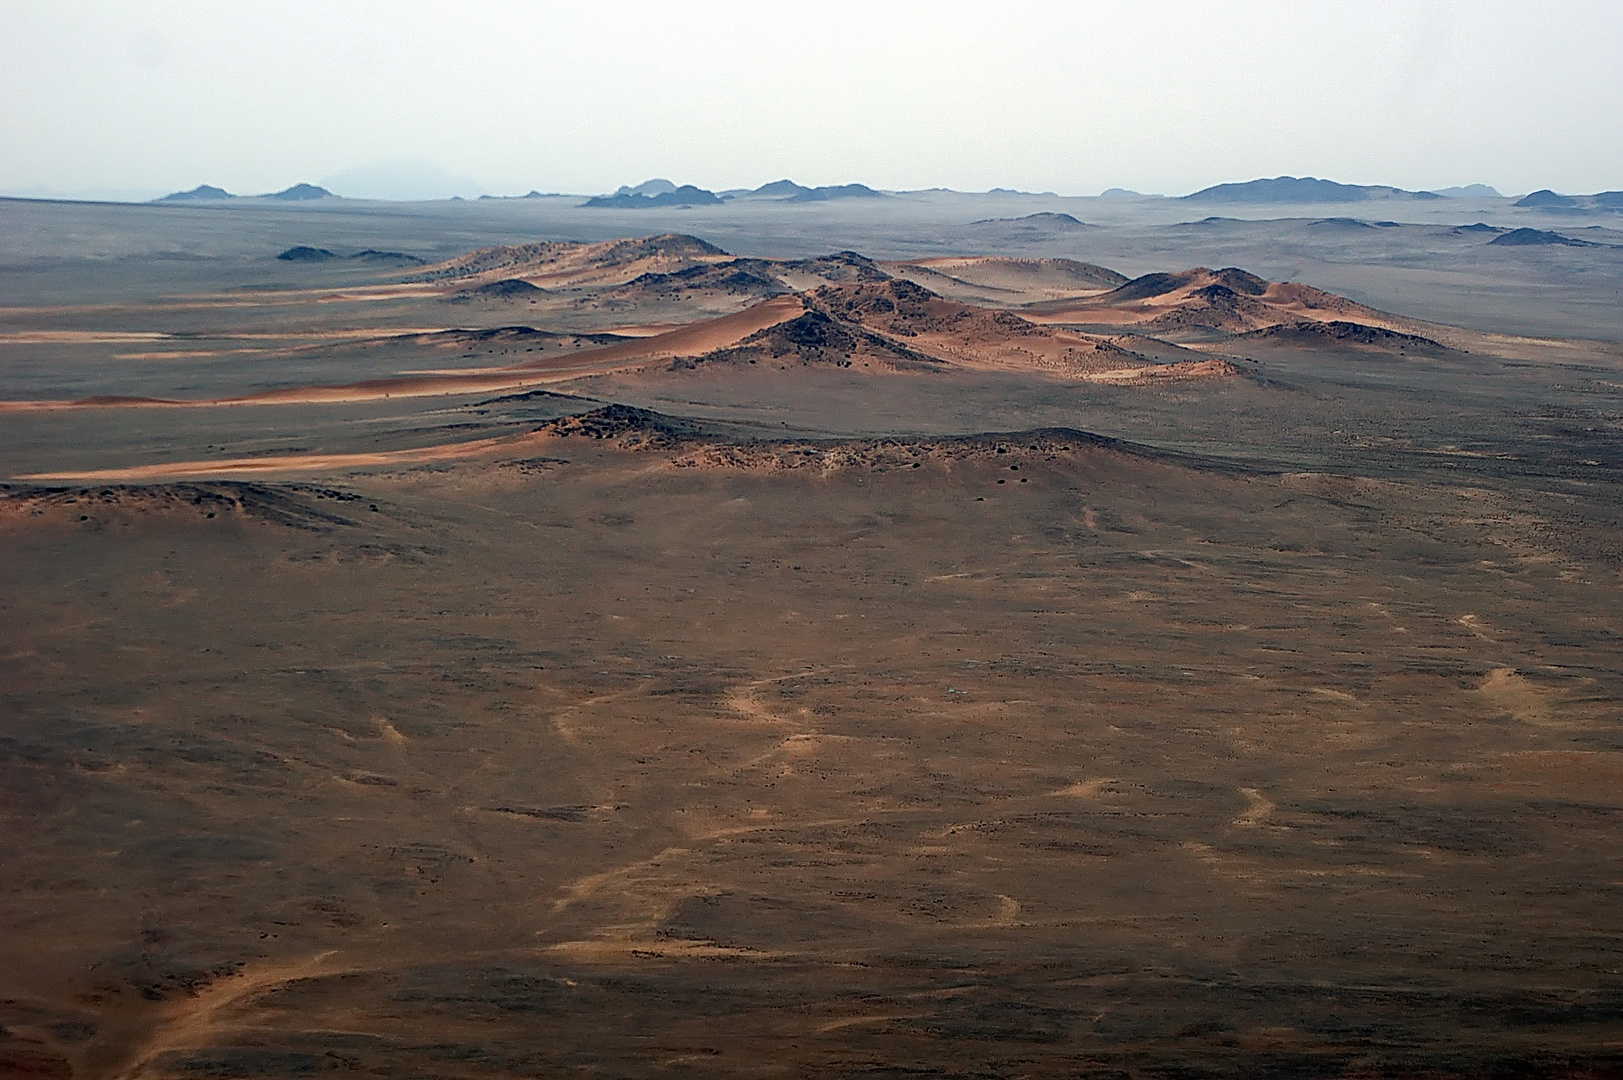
<point x="1538" y="238"/>
<point x="686" y="195"/>
<point x="781" y="189"/>
<point x="1303" y="189"/>
<point x="506" y="289"/>
<point x="200" y="193"/>
<point x="304" y="253"/>
<point x="396" y="257"/>
<point x="656" y="186"/>
<point x="1045" y="219"/>
<point x="301" y="193"/>
<point x="1547" y="199"/>
<point x="1468" y="191"/>
<point x="837" y="191"/>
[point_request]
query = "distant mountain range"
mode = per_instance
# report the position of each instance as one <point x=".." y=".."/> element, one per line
<point x="1044" y="220"/>
<point x="300" y="192"/>
<point x="661" y="192"/>
<point x="200" y="193"/>
<point x="307" y="254"/>
<point x="1301" y="189"/>
<point x="656" y="186"/>
<point x="1279" y="190"/>
<point x="1307" y="189"/>
<point x="1549" y="200"/>
<point x="210" y="193"/>
<point x="654" y="193"/>
<point x="823" y="194"/>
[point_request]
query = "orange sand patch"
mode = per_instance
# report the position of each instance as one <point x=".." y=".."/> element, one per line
<point x="292" y="463"/>
<point x="198" y="301"/>
<point x="101" y="401"/>
<point x="78" y="337"/>
<point x="644" y="329"/>
<point x="691" y="340"/>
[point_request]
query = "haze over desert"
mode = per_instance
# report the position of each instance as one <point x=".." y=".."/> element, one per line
<point x="818" y="625"/>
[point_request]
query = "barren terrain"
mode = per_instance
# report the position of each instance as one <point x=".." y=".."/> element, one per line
<point x="626" y="657"/>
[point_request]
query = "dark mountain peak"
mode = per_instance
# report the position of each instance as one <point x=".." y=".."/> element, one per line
<point x="301" y="192"/>
<point x="1044" y="219"/>
<point x="1148" y="285"/>
<point x="1050" y="217"/>
<point x="1301" y="189"/>
<point x="1469" y="191"/>
<point x="674" y="245"/>
<point x="373" y="255"/>
<point x="200" y="193"/>
<point x="842" y="266"/>
<point x="1241" y="280"/>
<point x="1537" y="238"/>
<point x="305" y="253"/>
<point x="783" y="188"/>
<point x="505" y="289"/>
<point x="657" y="186"/>
<point x="1547" y="198"/>
<point x="836" y="191"/>
<point x="686" y="195"/>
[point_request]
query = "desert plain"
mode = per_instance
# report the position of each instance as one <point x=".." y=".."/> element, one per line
<point x="946" y="636"/>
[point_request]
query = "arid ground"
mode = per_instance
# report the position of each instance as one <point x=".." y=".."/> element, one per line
<point x="994" y="649"/>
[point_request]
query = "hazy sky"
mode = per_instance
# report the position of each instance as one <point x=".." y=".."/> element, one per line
<point x="1068" y="97"/>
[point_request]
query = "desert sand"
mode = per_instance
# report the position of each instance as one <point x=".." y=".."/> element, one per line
<point x="904" y="662"/>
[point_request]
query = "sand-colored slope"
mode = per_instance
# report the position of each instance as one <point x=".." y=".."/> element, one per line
<point x="693" y="339"/>
<point x="944" y="284"/>
<point x="690" y="340"/>
<point x="284" y="464"/>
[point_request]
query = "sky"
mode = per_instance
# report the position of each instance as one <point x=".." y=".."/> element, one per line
<point x="132" y="99"/>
